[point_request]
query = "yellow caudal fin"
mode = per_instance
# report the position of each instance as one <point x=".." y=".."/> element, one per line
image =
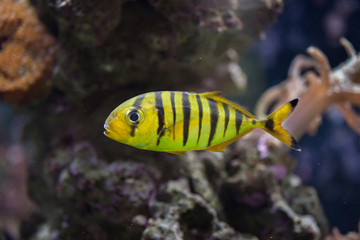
<point x="272" y="124"/>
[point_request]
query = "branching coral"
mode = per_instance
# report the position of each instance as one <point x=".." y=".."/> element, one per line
<point x="26" y="53"/>
<point x="336" y="235"/>
<point x="339" y="87"/>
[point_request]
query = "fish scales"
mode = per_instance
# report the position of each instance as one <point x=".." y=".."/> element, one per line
<point x="176" y="122"/>
<point x="212" y="116"/>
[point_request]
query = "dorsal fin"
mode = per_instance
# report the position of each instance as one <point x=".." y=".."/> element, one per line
<point x="216" y="96"/>
<point x="211" y="94"/>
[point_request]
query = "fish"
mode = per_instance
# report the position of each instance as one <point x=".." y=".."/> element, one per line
<point x="176" y="122"/>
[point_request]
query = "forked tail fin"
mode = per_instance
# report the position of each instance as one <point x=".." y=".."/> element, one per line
<point x="273" y="124"/>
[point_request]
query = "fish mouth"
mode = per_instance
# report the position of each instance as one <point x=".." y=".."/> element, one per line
<point x="110" y="133"/>
<point x="107" y="131"/>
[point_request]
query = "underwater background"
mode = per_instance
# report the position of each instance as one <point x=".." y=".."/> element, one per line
<point x="330" y="159"/>
<point x="66" y="64"/>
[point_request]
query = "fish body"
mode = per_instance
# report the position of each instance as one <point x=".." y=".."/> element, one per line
<point x="175" y="122"/>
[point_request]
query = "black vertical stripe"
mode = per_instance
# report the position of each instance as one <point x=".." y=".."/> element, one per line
<point x="238" y="120"/>
<point x="137" y="104"/>
<point x="133" y="129"/>
<point x="138" y="101"/>
<point x="226" y="110"/>
<point x="186" y="113"/>
<point x="159" y="137"/>
<point x="269" y="124"/>
<point x="160" y="111"/>
<point x="172" y="98"/>
<point x="214" y="115"/>
<point x="200" y="115"/>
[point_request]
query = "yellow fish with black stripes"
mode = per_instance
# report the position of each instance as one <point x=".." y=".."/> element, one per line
<point x="176" y="122"/>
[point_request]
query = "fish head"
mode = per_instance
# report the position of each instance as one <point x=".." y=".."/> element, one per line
<point x="131" y="125"/>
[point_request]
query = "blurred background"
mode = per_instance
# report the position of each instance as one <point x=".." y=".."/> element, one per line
<point x="330" y="160"/>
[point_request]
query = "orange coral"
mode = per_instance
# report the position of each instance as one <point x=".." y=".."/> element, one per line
<point x="339" y="87"/>
<point x="336" y="235"/>
<point x="26" y="53"/>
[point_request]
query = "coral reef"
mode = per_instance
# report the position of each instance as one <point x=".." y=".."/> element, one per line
<point x="180" y="214"/>
<point x="261" y="188"/>
<point x="26" y="53"/>
<point x="254" y="194"/>
<point x="178" y="40"/>
<point x="98" y="200"/>
<point x="89" y="187"/>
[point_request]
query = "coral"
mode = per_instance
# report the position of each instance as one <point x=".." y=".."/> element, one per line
<point x="89" y="187"/>
<point x="26" y="53"/>
<point x="98" y="199"/>
<point x="92" y="193"/>
<point x="97" y="196"/>
<point x="15" y="205"/>
<point x="179" y="214"/>
<point x="290" y="88"/>
<point x="339" y="87"/>
<point x="230" y="69"/>
<point x="336" y="235"/>
<point x="261" y="196"/>
<point x="267" y="9"/>
<point x="178" y="40"/>
<point x="199" y="182"/>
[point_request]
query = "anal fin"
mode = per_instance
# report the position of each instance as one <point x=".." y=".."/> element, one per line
<point x="221" y="146"/>
<point x="217" y="148"/>
<point x="177" y="152"/>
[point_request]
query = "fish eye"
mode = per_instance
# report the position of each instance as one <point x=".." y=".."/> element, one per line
<point x="134" y="116"/>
